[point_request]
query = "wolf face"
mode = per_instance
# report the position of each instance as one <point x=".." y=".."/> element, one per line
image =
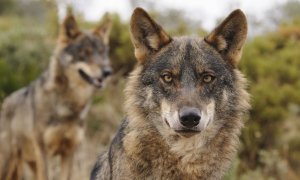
<point x="84" y="54"/>
<point x="188" y="82"/>
<point x="184" y="104"/>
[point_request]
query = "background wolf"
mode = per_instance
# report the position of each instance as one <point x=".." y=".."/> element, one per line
<point x="46" y="117"/>
<point x="185" y="102"/>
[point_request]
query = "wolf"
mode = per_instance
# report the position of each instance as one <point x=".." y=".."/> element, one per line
<point x="46" y="118"/>
<point x="185" y="103"/>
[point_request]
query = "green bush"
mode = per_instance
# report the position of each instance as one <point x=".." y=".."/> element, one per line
<point x="272" y="64"/>
<point x="24" y="53"/>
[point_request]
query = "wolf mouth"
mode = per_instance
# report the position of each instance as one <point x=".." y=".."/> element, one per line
<point x="96" y="82"/>
<point x="187" y="132"/>
<point x="184" y="132"/>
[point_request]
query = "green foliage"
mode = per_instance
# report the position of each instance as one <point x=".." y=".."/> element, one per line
<point x="25" y="43"/>
<point x="7" y="6"/>
<point x="272" y="66"/>
<point x="24" y="52"/>
<point x="121" y="49"/>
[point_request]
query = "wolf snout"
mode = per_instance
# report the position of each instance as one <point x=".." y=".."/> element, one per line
<point x="189" y="117"/>
<point x="107" y="72"/>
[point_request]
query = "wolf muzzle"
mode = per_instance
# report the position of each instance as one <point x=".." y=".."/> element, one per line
<point x="189" y="117"/>
<point x="97" y="82"/>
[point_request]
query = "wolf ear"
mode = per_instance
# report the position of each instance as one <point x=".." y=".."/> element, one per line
<point x="103" y="30"/>
<point x="229" y="37"/>
<point x="69" y="29"/>
<point x="146" y="35"/>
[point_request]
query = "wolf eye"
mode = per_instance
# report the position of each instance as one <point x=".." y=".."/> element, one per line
<point x="167" y="77"/>
<point x="208" y="78"/>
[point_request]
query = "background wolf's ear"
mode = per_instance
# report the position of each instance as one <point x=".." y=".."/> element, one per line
<point x="229" y="37"/>
<point x="69" y="29"/>
<point x="103" y="30"/>
<point x="146" y="35"/>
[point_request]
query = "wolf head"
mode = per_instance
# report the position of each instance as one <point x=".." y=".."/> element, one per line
<point x="83" y="56"/>
<point x="187" y="85"/>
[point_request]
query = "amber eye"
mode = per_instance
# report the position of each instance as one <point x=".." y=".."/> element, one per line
<point x="208" y="78"/>
<point x="167" y="77"/>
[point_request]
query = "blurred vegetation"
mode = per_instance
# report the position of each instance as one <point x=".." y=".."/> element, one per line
<point x="121" y="49"/>
<point x="26" y="41"/>
<point x="270" y="140"/>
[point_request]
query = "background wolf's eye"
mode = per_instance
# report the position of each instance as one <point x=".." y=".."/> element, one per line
<point x="208" y="78"/>
<point x="167" y="77"/>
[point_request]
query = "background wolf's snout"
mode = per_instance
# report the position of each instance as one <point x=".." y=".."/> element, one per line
<point x="107" y="72"/>
<point x="189" y="117"/>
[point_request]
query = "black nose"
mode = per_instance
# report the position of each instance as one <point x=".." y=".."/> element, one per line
<point x="189" y="117"/>
<point x="107" y="72"/>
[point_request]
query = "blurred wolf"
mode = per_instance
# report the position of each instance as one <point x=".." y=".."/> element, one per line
<point x="185" y="102"/>
<point x="46" y="118"/>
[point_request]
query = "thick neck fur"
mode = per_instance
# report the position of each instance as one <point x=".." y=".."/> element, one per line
<point x="207" y="155"/>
